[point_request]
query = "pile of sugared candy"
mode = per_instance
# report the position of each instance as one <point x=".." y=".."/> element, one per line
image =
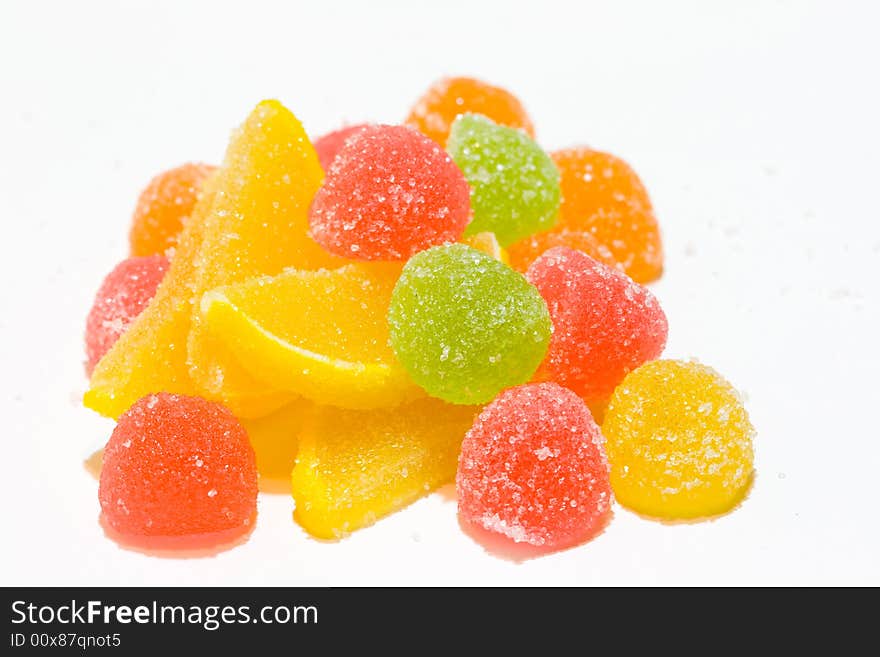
<point x="366" y="317"/>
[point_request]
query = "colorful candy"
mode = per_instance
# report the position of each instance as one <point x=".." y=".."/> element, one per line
<point x="327" y="146"/>
<point x="466" y="326"/>
<point x="533" y="468"/>
<point x="275" y="440"/>
<point x="514" y="184"/>
<point x="320" y="334"/>
<point x="354" y="467"/>
<point x="523" y="253"/>
<point x="604" y="324"/>
<point x="446" y="99"/>
<point x="164" y="207"/>
<point x="603" y="196"/>
<point x="679" y="441"/>
<point x="123" y="295"/>
<point x="389" y="193"/>
<point x="176" y="466"/>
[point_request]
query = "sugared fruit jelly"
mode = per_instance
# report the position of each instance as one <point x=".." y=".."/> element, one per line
<point x="679" y="441"/>
<point x="514" y="184"/>
<point x="533" y="468"/>
<point x="434" y="112"/>
<point x="275" y="439"/>
<point x="466" y="326"/>
<point x="178" y="466"/>
<point x="389" y="193"/>
<point x="523" y="253"/>
<point x="320" y="334"/>
<point x="602" y="195"/>
<point x="164" y="207"/>
<point x="354" y="467"/>
<point x="125" y="292"/>
<point x="604" y="324"/>
<point x="327" y="146"/>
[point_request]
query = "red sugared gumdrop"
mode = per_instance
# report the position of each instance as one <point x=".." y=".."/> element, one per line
<point x="327" y="146"/>
<point x="533" y="468"/>
<point x="604" y="323"/>
<point x="122" y="296"/>
<point x="178" y="466"/>
<point x="390" y="193"/>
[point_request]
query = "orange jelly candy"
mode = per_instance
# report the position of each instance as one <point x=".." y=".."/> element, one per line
<point x="165" y="206"/>
<point x="434" y="112"/>
<point x="523" y="253"/>
<point x="603" y="196"/>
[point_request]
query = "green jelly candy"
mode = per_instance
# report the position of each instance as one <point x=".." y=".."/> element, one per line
<point x="466" y="326"/>
<point x="514" y="184"/>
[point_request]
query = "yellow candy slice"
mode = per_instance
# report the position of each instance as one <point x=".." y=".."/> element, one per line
<point x="319" y="334"/>
<point x="354" y="467"/>
<point x="275" y="439"/>
<point x="488" y="244"/>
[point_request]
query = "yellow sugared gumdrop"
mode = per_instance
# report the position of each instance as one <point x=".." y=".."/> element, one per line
<point x="354" y="467"/>
<point x="320" y="334"/>
<point x="258" y="224"/>
<point x="275" y="439"/>
<point x="679" y="441"/>
<point x="488" y="244"/>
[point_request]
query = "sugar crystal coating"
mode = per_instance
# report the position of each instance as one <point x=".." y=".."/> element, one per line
<point x="446" y="99"/>
<point x="533" y="468"/>
<point x="602" y="195"/>
<point x="327" y="146"/>
<point x="514" y="184"/>
<point x="389" y="193"/>
<point x="176" y="466"/>
<point x="679" y="441"/>
<point x="523" y="253"/>
<point x="165" y="206"/>
<point x="125" y="292"/>
<point x="465" y="325"/>
<point x="604" y="324"/>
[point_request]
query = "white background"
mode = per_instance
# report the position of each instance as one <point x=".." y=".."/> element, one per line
<point x="753" y="124"/>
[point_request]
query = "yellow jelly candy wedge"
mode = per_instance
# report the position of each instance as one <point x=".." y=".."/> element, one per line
<point x="275" y="438"/>
<point x="151" y="355"/>
<point x="354" y="467"/>
<point x="258" y="224"/>
<point x="94" y="463"/>
<point x="488" y="244"/>
<point x="320" y="334"/>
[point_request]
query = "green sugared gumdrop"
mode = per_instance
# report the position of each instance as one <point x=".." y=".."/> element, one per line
<point x="514" y="184"/>
<point x="466" y="326"/>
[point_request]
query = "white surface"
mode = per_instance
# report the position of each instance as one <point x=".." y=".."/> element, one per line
<point x="754" y="125"/>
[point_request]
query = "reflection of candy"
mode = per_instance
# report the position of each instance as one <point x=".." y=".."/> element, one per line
<point x="466" y="326"/>
<point x="679" y="441"/>
<point x="389" y="193"/>
<point x="434" y="112"/>
<point x="514" y="184"/>
<point x="177" y="466"/>
<point x="125" y="292"/>
<point x="604" y="324"/>
<point x="327" y="146"/>
<point x="164" y="206"/>
<point x="533" y="468"/>
<point x="602" y="195"/>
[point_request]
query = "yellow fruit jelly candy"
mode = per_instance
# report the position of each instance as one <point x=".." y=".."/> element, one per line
<point x="275" y="438"/>
<point x="488" y="244"/>
<point x="150" y="356"/>
<point x="354" y="467"/>
<point x="257" y="224"/>
<point x="679" y="441"/>
<point x="320" y="334"/>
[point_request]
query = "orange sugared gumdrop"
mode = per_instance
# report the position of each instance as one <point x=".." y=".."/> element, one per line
<point x="523" y="253"/>
<point x="122" y="296"/>
<point x="434" y="112"/>
<point x="178" y="466"/>
<point x="164" y="206"/>
<point x="327" y="146"/>
<point x="533" y="468"/>
<point x="603" y="196"/>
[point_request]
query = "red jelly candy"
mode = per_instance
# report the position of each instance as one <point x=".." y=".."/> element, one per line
<point x="533" y="468"/>
<point x="178" y="466"/>
<point x="327" y="146"/>
<point x="390" y="193"/>
<point x="125" y="292"/>
<point x="604" y="324"/>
